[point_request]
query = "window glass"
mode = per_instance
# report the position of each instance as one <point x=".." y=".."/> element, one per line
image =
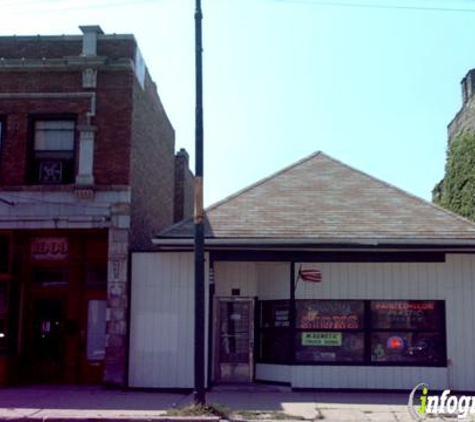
<point x="275" y="314"/>
<point x="96" y="330"/>
<point x="274" y="336"/>
<point x="53" y="152"/>
<point x="50" y="277"/>
<point x="329" y="346"/>
<point x="408" y="347"/>
<point x="406" y="314"/>
<point x="4" y="254"/>
<point x="54" y="135"/>
<point x="274" y="346"/>
<point x="330" y="314"/>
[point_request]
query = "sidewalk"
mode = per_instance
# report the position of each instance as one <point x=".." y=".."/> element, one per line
<point x="61" y="403"/>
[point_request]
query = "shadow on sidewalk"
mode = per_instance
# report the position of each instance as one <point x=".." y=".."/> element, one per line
<point x="85" y="398"/>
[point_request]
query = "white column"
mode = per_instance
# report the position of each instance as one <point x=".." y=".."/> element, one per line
<point x="86" y="155"/>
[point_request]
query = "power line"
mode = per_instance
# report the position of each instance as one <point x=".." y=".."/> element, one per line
<point x="375" y="6"/>
<point x="74" y="8"/>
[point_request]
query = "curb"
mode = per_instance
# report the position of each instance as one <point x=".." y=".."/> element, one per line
<point x="112" y="419"/>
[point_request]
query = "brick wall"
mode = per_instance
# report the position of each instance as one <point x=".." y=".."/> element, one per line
<point x="183" y="206"/>
<point x="113" y="120"/>
<point x="152" y="166"/>
<point x="464" y="120"/>
<point x="58" y="47"/>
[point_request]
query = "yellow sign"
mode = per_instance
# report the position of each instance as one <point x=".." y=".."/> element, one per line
<point x="321" y="339"/>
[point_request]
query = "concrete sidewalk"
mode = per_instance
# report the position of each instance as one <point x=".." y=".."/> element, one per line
<point x="58" y="403"/>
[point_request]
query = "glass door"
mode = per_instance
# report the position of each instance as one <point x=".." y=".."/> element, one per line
<point x="234" y="342"/>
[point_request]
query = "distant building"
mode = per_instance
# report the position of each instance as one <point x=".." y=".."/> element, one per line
<point x="87" y="174"/>
<point x="464" y="120"/>
<point x="456" y="191"/>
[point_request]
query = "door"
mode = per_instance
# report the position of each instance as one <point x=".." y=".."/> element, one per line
<point x="47" y="339"/>
<point x="234" y="340"/>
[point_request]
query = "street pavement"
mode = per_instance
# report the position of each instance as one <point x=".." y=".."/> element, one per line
<point x="61" y="403"/>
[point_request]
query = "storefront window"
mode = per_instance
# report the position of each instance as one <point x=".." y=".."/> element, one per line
<point x="407" y="332"/>
<point x="274" y="334"/>
<point x="359" y="332"/>
<point x="329" y="331"/>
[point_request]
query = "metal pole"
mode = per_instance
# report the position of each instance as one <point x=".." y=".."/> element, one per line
<point x="199" y="393"/>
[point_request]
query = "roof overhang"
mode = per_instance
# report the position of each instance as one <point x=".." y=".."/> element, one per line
<point x="320" y="243"/>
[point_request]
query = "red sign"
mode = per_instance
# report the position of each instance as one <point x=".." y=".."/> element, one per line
<point x="49" y="248"/>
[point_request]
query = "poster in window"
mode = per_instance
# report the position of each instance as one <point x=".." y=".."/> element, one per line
<point x="406" y="314"/>
<point x="275" y="314"/>
<point x="329" y="347"/>
<point x="330" y="314"/>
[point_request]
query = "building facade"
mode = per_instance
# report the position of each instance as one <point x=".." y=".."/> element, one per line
<point x="319" y="276"/>
<point x="87" y="173"/>
<point x="464" y="120"/>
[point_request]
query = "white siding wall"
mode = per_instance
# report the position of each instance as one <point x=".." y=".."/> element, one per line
<point x="453" y="281"/>
<point x="268" y="280"/>
<point x="162" y="326"/>
<point x="162" y="317"/>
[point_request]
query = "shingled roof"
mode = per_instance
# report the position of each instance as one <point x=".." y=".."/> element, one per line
<point x="320" y="199"/>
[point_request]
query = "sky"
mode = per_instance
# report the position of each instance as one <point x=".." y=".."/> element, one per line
<point x="373" y="83"/>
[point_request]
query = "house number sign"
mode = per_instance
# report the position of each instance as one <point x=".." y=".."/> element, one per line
<point x="49" y="248"/>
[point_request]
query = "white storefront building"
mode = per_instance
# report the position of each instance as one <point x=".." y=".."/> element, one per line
<point x="319" y="276"/>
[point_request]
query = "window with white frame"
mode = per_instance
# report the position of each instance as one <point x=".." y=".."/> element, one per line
<point x="53" y="152"/>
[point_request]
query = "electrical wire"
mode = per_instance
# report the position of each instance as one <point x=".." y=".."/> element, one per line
<point x="45" y="202"/>
<point x="24" y="6"/>
<point x="375" y="6"/>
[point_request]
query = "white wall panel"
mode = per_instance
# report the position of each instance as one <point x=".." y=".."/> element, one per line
<point x="235" y="275"/>
<point x="274" y="373"/>
<point x="162" y="330"/>
<point x="268" y="280"/>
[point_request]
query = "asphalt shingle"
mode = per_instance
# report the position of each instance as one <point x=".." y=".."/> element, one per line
<point x="320" y="198"/>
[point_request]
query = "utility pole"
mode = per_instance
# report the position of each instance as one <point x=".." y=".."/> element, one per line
<point x="199" y="393"/>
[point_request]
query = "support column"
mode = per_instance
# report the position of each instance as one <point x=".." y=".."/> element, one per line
<point x="117" y="297"/>
<point x="86" y="155"/>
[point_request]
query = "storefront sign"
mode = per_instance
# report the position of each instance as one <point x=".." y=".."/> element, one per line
<point x="321" y="339"/>
<point x="281" y="317"/>
<point x="408" y="314"/>
<point x="330" y="315"/>
<point x="49" y="248"/>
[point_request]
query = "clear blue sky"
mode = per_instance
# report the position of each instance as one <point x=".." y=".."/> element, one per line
<point x="372" y="86"/>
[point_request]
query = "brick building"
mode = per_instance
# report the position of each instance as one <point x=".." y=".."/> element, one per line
<point x="464" y="120"/>
<point x="87" y="173"/>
